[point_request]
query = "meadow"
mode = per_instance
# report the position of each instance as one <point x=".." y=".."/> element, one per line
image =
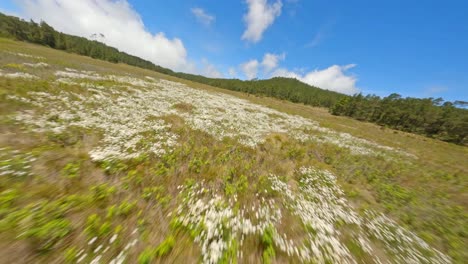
<point x="109" y="163"/>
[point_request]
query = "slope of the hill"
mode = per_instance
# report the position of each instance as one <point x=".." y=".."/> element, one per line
<point x="430" y="117"/>
<point x="283" y="88"/>
<point x="108" y="163"/>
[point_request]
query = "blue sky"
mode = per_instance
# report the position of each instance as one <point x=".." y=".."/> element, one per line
<point x="415" y="48"/>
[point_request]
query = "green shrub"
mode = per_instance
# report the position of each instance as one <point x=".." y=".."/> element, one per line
<point x="355" y="249"/>
<point x="15" y="66"/>
<point x="230" y="254"/>
<point x="114" y="166"/>
<point x="105" y="229"/>
<point x="95" y="227"/>
<point x="93" y="223"/>
<point x="48" y="234"/>
<point x="146" y="256"/>
<point x="239" y="186"/>
<point x="189" y="182"/>
<point x="125" y="208"/>
<point x="111" y="211"/>
<point x="152" y="193"/>
<point x="102" y="192"/>
<point x="165" y="246"/>
<point x="133" y="178"/>
<point x="71" y="170"/>
<point x="294" y="153"/>
<point x="197" y="164"/>
<point x="7" y="198"/>
<point x="161" y="250"/>
<point x="41" y="223"/>
<point x="165" y="200"/>
<point x="242" y="184"/>
<point x="268" y="254"/>
<point x="70" y="255"/>
<point x="267" y="241"/>
<point x="392" y="195"/>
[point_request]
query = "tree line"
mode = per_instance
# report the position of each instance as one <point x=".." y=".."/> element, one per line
<point x="431" y="117"/>
<point x="435" y="118"/>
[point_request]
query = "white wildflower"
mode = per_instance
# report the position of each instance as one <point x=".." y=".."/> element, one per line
<point x="92" y="240"/>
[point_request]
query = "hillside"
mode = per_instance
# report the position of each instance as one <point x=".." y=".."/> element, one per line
<point x="109" y="163"/>
<point x="283" y="88"/>
<point x="431" y="117"/>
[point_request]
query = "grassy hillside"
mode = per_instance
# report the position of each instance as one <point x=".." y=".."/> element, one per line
<point x="43" y="34"/>
<point x="431" y="117"/>
<point x="109" y="162"/>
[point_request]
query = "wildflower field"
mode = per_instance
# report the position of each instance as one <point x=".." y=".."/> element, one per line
<point x="108" y="163"/>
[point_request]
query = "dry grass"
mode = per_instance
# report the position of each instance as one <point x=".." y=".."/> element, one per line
<point x="427" y="195"/>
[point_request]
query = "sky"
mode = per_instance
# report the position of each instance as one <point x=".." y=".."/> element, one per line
<point x="414" y="48"/>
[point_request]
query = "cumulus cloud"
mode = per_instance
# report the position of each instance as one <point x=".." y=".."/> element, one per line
<point x="117" y="20"/>
<point x="271" y="61"/>
<point x="203" y="17"/>
<point x="210" y="70"/>
<point x="250" y="69"/>
<point x="260" y="16"/>
<point x="333" y="78"/>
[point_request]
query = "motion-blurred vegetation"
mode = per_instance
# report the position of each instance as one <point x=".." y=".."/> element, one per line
<point x="57" y="204"/>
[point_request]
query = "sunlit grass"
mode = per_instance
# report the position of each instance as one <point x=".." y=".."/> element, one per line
<point x="61" y="202"/>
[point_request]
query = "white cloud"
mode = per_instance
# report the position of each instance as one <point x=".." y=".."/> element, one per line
<point x="232" y="72"/>
<point x="271" y="61"/>
<point x="203" y="17"/>
<point x="260" y="16"/>
<point x="333" y="78"/>
<point x="283" y="72"/>
<point x="250" y="69"/>
<point x="209" y="70"/>
<point x="118" y="21"/>
<point x="212" y="72"/>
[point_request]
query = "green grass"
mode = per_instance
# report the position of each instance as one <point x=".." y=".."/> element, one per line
<point x="51" y="214"/>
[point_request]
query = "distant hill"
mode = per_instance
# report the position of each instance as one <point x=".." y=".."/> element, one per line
<point x="431" y="117"/>
<point x="282" y="88"/>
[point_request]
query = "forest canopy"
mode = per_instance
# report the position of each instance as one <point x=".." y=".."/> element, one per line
<point x="435" y="118"/>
